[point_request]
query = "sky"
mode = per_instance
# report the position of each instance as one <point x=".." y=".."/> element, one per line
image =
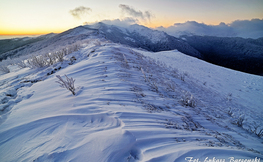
<point x="46" y="16"/>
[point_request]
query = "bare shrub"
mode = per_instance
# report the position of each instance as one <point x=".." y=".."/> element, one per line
<point x="230" y="111"/>
<point x="21" y="63"/>
<point x="240" y="120"/>
<point x="188" y="99"/>
<point x="144" y="75"/>
<point x="60" y="56"/>
<point x="37" y="61"/>
<point x="68" y="83"/>
<point x="75" y="47"/>
<point x="153" y="85"/>
<point x="183" y="75"/>
<point x="169" y="84"/>
<point x="125" y="59"/>
<point x="229" y="97"/>
<point x="174" y="72"/>
<point x="255" y="130"/>
<point x="51" y="59"/>
<point x="259" y="133"/>
<point x="151" y="82"/>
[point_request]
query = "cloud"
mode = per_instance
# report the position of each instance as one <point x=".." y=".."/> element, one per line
<point x="80" y="12"/>
<point x="121" y="22"/>
<point x="195" y="28"/>
<point x="118" y="22"/>
<point x="147" y="15"/>
<point x="239" y="28"/>
<point x="248" y="28"/>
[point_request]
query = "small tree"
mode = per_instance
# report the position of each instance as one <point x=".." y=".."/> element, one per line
<point x="68" y="83"/>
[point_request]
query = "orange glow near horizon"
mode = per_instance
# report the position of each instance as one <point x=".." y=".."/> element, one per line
<point x="42" y="32"/>
<point x="29" y="32"/>
<point x="42" y="17"/>
<point x="19" y="34"/>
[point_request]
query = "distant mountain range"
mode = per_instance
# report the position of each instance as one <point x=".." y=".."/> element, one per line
<point x="134" y="36"/>
<point x="237" y="53"/>
<point x="142" y="37"/>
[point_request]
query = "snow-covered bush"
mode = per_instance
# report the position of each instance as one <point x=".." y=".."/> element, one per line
<point x="21" y="63"/>
<point x="68" y="83"/>
<point x="188" y="99"/>
<point x="4" y="65"/>
<point x="51" y="59"/>
<point x="151" y="82"/>
<point x="4" y="69"/>
<point x="60" y="55"/>
<point x="37" y="61"/>
<point x="126" y="61"/>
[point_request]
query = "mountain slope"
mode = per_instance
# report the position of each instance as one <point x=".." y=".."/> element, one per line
<point x="236" y="53"/>
<point x="12" y="44"/>
<point x="128" y="107"/>
<point x="54" y="43"/>
<point x="134" y="36"/>
<point x="148" y="39"/>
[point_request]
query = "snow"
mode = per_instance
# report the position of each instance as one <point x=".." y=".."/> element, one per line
<point x="78" y="31"/>
<point x="154" y="35"/>
<point x="121" y="114"/>
<point x="247" y="89"/>
<point x="130" y="39"/>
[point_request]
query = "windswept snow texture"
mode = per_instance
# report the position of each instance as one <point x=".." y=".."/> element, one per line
<point x="129" y="107"/>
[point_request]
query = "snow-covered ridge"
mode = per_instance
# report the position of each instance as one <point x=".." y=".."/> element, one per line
<point x="235" y="53"/>
<point x="142" y="37"/>
<point x="130" y="107"/>
<point x="154" y="35"/>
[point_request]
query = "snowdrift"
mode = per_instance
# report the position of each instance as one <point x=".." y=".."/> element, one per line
<point x="130" y="105"/>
